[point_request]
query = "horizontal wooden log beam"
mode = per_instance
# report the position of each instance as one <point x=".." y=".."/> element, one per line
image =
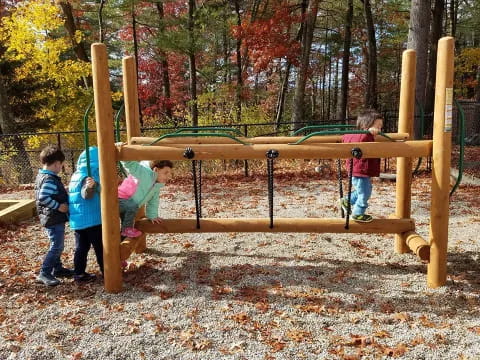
<point x="296" y="225"/>
<point x="418" y="245"/>
<point x="419" y="148"/>
<point x="127" y="247"/>
<point x="256" y="140"/>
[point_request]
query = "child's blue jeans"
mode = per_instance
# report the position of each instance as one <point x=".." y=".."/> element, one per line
<point x="128" y="211"/>
<point x="56" y="235"/>
<point x="361" y="194"/>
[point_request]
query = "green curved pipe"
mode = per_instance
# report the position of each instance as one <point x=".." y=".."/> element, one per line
<point x="86" y="140"/>
<point x="210" y="128"/>
<point x="196" y="135"/>
<point x="422" y="132"/>
<point x="340" y="132"/>
<point x="330" y="126"/>
<point x="117" y="122"/>
<point x="461" y="135"/>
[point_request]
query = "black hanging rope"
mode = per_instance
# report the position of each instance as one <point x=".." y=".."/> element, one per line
<point x="271" y="155"/>
<point x="200" y="187"/>
<point x="340" y="184"/>
<point x="357" y="154"/>
<point x="190" y="154"/>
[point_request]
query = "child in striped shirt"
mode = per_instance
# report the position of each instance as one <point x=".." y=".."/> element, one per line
<point x="52" y="208"/>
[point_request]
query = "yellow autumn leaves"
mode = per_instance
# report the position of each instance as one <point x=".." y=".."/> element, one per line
<point x="34" y="37"/>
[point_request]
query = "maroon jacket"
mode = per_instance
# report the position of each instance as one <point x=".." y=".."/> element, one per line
<point x="362" y="167"/>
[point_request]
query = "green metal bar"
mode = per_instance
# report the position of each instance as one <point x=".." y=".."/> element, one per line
<point x="340" y="132"/>
<point x="422" y="132"/>
<point x="86" y="139"/>
<point x="330" y="126"/>
<point x="117" y="122"/>
<point x="462" y="147"/>
<point x="210" y="128"/>
<point x="173" y="135"/>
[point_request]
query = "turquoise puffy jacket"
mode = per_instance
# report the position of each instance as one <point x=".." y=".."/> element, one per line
<point x="84" y="213"/>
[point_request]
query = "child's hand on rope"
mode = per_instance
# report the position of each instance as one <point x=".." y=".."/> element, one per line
<point x="374" y="131"/>
<point x="157" y="220"/>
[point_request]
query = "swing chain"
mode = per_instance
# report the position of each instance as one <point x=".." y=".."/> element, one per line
<point x="271" y="155"/>
<point x="190" y="154"/>
<point x="340" y="184"/>
<point x="357" y="154"/>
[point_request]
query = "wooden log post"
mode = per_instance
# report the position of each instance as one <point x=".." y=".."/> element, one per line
<point x="441" y="153"/>
<point x="130" y="95"/>
<point x="108" y="173"/>
<point x="418" y="245"/>
<point x="405" y="125"/>
<point x="132" y="118"/>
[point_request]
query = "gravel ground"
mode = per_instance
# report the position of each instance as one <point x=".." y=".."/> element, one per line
<point x="253" y="296"/>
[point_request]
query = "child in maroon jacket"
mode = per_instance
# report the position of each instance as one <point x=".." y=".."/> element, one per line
<point x="363" y="169"/>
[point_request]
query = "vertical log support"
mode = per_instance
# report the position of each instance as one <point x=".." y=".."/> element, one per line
<point x="441" y="152"/>
<point x="108" y="172"/>
<point x="130" y="95"/>
<point x="405" y="125"/>
<point x="132" y="116"/>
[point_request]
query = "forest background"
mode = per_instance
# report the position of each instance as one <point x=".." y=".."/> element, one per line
<point x="203" y="62"/>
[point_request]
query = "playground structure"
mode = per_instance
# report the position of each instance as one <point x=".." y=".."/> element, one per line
<point x="12" y="211"/>
<point x="316" y="147"/>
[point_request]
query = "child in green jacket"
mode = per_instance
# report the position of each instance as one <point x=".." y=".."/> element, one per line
<point x="141" y="187"/>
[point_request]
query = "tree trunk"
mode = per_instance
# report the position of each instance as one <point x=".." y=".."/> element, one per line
<point x="371" y="93"/>
<point x="418" y="40"/>
<point x="226" y="47"/>
<point x="281" y="97"/>
<point x="342" y="107"/>
<point x="335" y="90"/>
<point x="435" y="34"/>
<point x="163" y="60"/>
<point x="239" y="68"/>
<point x="78" y="47"/>
<point x="453" y="17"/>
<point x="135" y="52"/>
<point x="101" y="34"/>
<point x="192" y="64"/>
<point x="20" y="159"/>
<point x="307" y="36"/>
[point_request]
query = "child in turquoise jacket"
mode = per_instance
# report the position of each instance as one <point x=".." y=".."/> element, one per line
<point x="85" y="215"/>
<point x="141" y="187"/>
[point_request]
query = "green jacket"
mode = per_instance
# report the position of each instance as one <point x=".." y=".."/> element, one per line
<point x="148" y="189"/>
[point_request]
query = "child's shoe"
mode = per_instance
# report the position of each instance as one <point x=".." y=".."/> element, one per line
<point x="344" y="205"/>
<point x="84" y="278"/>
<point x="131" y="232"/>
<point x="362" y="218"/>
<point x="47" y="279"/>
<point x="63" y="272"/>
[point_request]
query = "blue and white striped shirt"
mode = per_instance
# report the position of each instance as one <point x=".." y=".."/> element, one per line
<point x="48" y="189"/>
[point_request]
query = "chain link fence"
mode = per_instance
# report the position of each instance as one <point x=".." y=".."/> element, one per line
<point x="19" y="153"/>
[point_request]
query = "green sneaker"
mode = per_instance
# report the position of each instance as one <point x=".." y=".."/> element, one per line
<point x="363" y="218"/>
<point x="344" y="205"/>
